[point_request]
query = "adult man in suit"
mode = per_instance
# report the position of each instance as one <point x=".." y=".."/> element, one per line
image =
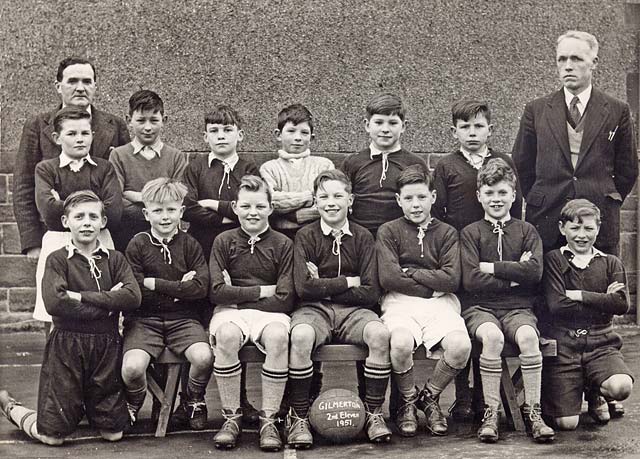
<point x="76" y="85"/>
<point x="577" y="142"/>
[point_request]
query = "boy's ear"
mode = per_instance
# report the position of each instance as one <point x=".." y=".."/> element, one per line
<point x="65" y="221"/>
<point x="398" y="199"/>
<point x="240" y="135"/>
<point x="145" y="212"/>
<point x="277" y="134"/>
<point x="366" y="124"/>
<point x="490" y="128"/>
<point x="478" y="195"/>
<point x="434" y="196"/>
<point x="561" y="227"/>
<point x="454" y="132"/>
<point x="103" y="225"/>
<point x="234" y="207"/>
<point x="56" y="137"/>
<point x="164" y="118"/>
<point x="127" y="118"/>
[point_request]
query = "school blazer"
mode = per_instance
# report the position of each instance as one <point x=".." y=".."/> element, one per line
<point x="606" y="171"/>
<point x="36" y="145"/>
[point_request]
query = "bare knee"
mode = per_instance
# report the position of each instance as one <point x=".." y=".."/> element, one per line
<point x="617" y="387"/>
<point x="376" y="337"/>
<point x="401" y="351"/>
<point x="228" y="338"/>
<point x="111" y="436"/>
<point x="567" y="422"/>
<point x="200" y="356"/>
<point x="134" y="365"/>
<point x="527" y="340"/>
<point x="275" y="339"/>
<point x="491" y="338"/>
<point x="457" y="348"/>
<point x="302" y="339"/>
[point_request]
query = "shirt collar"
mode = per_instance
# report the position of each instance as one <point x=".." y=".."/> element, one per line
<point x="257" y="235"/>
<point x="65" y="160"/>
<point x="231" y="160"/>
<point x="584" y="97"/>
<point x="594" y="252"/>
<point x="326" y="229"/>
<point x="493" y="221"/>
<point x="88" y="108"/>
<point x="293" y="158"/>
<point x="482" y="154"/>
<point x="138" y="147"/>
<point x="377" y="152"/>
<point x="72" y="250"/>
<point x="168" y="239"/>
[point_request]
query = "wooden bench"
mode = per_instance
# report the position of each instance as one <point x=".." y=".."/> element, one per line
<point x="512" y="390"/>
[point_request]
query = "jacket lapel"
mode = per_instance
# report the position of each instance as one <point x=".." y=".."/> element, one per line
<point x="595" y="117"/>
<point x="103" y="131"/>
<point x="557" y="119"/>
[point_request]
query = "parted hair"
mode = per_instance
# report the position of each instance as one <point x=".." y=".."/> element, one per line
<point x="223" y="114"/>
<point x="414" y="174"/>
<point x="296" y="114"/>
<point x="145" y="100"/>
<point x="386" y="104"/>
<point x="496" y="170"/>
<point x="69" y="113"/>
<point x="69" y="61"/>
<point x="588" y="38"/>
<point x="163" y="189"/>
<point x="255" y="184"/>
<point x="79" y="197"/>
<point x="465" y="109"/>
<point x="333" y="174"/>
<point x="577" y="209"/>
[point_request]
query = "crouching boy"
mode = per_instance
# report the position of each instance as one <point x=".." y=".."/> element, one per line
<point x="583" y="288"/>
<point x="85" y="286"/>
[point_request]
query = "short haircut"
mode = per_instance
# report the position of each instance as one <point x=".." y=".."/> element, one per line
<point x="79" y="197"/>
<point x="223" y="114"/>
<point x="69" y="61"/>
<point x="296" y="114"/>
<point x="584" y="36"/>
<point x="69" y="113"/>
<point x="163" y="189"/>
<point x="496" y="170"/>
<point x="577" y="209"/>
<point x="466" y="109"/>
<point x="145" y="100"/>
<point x="254" y="184"/>
<point x="414" y="174"/>
<point x="333" y="174"/>
<point x="386" y="104"/>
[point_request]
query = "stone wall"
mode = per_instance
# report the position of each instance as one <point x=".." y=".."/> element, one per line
<point x="330" y="55"/>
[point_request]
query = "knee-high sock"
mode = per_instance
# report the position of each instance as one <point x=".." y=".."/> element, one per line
<point x="405" y="382"/>
<point x="376" y="378"/>
<point x="300" y="385"/>
<point x="443" y="374"/>
<point x="273" y="384"/>
<point x="135" y="395"/>
<point x="228" y="380"/>
<point x="491" y="372"/>
<point x="24" y="419"/>
<point x="531" y="367"/>
<point x="196" y="388"/>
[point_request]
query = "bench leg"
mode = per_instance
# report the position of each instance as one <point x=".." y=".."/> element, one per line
<point x="510" y="399"/>
<point x="166" y="397"/>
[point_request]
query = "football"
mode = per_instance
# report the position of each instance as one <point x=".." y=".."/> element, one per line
<point x="337" y="415"/>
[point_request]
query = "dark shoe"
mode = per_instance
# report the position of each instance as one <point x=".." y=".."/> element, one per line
<point x="197" y="414"/>
<point x="376" y="427"/>
<point x="7" y="402"/>
<point x="436" y="420"/>
<point x="540" y="431"/>
<point x="298" y="431"/>
<point x="598" y="408"/>
<point x="249" y="413"/>
<point x="488" y="431"/>
<point x="616" y="409"/>
<point x="133" y="413"/>
<point x="269" y="436"/>
<point x="228" y="434"/>
<point x="406" y="417"/>
<point x="461" y="410"/>
<point x="180" y="417"/>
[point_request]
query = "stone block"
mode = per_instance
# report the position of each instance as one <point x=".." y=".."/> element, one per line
<point x="6" y="213"/>
<point x="21" y="299"/>
<point x="17" y="271"/>
<point x="10" y="239"/>
<point x="628" y="221"/>
<point x="4" y="188"/>
<point x="4" y="303"/>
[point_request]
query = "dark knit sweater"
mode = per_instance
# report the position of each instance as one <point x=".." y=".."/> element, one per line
<point x="597" y="306"/>
<point x="172" y="298"/>
<point x="478" y="243"/>
<point x="374" y="204"/>
<point x="271" y="263"/>
<point x="98" y="310"/>
<point x="456" y="183"/>
<point x="203" y="183"/>
<point x="100" y="179"/>
<point x="357" y="258"/>
<point x="434" y="266"/>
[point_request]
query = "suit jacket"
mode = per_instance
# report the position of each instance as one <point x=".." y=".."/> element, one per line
<point x="605" y="173"/>
<point x="37" y="144"/>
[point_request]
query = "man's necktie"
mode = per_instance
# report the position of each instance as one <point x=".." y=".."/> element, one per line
<point x="574" y="112"/>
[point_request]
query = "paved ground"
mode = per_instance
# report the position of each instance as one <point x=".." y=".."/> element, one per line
<point x="20" y="355"/>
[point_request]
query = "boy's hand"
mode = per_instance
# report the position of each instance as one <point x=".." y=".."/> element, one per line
<point x="486" y="267"/>
<point x="313" y="270"/>
<point x="575" y="295"/>
<point x="353" y="281"/>
<point x="209" y="204"/>
<point x="226" y="277"/>
<point x="74" y="295"/>
<point x="132" y="196"/>
<point x="149" y="282"/>
<point x="226" y="220"/>
<point x="615" y="287"/>
<point x="267" y="290"/>
<point x="33" y="253"/>
<point x="55" y="195"/>
<point x="116" y="287"/>
<point x="188" y="276"/>
<point x="526" y="256"/>
<point x="513" y="283"/>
